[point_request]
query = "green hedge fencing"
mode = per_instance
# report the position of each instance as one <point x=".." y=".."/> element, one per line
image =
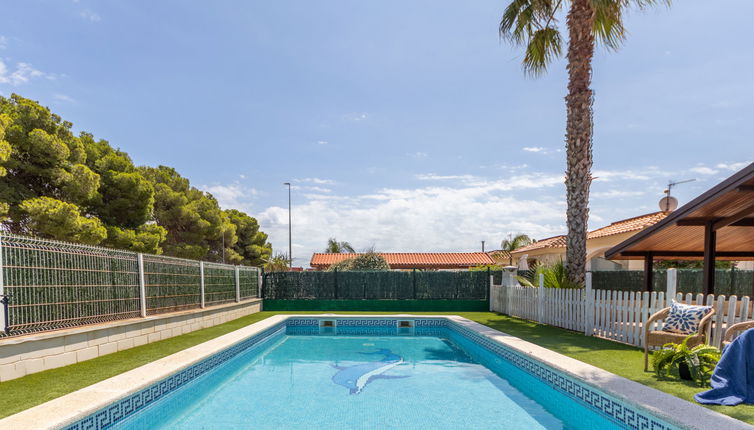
<point x="387" y="285"/>
<point x="727" y="281"/>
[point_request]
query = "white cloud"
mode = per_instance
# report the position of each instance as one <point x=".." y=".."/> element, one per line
<point x="3" y="42"/>
<point x="419" y="219"/>
<point x="322" y="142"/>
<point x="733" y="166"/>
<point x="433" y="177"/>
<point x="534" y="149"/>
<point x="418" y="155"/>
<point x="610" y="175"/>
<point x="616" y="194"/>
<point x="318" y="181"/>
<point x="90" y="16"/>
<point x="703" y="170"/>
<point x="451" y="216"/>
<point x="355" y="116"/>
<point x="23" y="73"/>
<point x="64" y="98"/>
<point x="233" y="196"/>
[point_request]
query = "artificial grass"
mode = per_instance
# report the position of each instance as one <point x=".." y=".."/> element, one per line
<point x="626" y="361"/>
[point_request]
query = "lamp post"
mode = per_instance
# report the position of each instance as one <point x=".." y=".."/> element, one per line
<point x="290" y="242"/>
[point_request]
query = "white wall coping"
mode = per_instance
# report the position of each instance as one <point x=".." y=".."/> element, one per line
<point x="31" y="337"/>
<point x="74" y="406"/>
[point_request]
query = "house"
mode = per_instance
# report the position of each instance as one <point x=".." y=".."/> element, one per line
<point x="553" y="249"/>
<point x="412" y="260"/>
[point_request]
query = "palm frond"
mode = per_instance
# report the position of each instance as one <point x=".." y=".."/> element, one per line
<point x="608" y="26"/>
<point x="533" y="24"/>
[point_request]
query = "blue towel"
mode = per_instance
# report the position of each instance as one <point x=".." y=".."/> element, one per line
<point x="733" y="378"/>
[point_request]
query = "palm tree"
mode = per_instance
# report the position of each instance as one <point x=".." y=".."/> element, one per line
<point x="514" y="242"/>
<point x="534" y="25"/>
<point x="278" y="263"/>
<point x="335" y="247"/>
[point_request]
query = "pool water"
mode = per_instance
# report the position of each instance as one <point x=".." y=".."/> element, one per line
<point x="367" y="382"/>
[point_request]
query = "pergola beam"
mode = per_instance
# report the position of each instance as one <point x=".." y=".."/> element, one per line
<point x="744" y="221"/>
<point x="741" y="215"/>
<point x="745" y="189"/>
<point x="684" y="254"/>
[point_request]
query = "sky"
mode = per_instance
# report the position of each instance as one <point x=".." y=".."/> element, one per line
<point x="402" y="125"/>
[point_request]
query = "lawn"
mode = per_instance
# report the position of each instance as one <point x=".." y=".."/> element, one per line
<point x="623" y="360"/>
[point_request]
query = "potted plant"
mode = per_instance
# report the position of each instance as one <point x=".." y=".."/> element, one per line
<point x="695" y="363"/>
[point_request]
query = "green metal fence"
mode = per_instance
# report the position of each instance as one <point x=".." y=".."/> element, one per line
<point x="727" y="281"/>
<point x="172" y="284"/>
<point x="388" y="285"/>
<point x="51" y="285"/>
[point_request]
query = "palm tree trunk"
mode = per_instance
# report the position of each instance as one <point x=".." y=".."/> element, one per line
<point x="578" y="135"/>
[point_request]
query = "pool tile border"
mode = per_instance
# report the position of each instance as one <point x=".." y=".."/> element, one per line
<point x="113" y="414"/>
<point x="582" y="382"/>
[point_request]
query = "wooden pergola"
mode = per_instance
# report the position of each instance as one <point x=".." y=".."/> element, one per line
<point x="717" y="225"/>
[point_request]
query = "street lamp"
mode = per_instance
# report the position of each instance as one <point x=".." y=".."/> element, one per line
<point x="290" y="242"/>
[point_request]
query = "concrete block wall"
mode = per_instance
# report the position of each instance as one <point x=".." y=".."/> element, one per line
<point x="24" y="355"/>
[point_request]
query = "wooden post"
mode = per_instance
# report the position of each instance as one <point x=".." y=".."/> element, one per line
<point x="710" y="239"/>
<point x="649" y="272"/>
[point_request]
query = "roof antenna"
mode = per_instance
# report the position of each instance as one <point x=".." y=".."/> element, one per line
<point x="670" y="203"/>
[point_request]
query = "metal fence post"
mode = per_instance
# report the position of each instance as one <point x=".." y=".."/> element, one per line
<point x="672" y="286"/>
<point x="588" y="306"/>
<point x="260" y="282"/>
<point x="3" y="316"/>
<point x="201" y="283"/>
<point x="142" y="285"/>
<point x="238" y="286"/>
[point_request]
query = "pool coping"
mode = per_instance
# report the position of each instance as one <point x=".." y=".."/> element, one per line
<point x="68" y="409"/>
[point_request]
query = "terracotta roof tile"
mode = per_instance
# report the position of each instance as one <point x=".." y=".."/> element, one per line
<point x="623" y="226"/>
<point x="411" y="260"/>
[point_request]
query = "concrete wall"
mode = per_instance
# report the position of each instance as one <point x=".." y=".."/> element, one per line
<point x="20" y="356"/>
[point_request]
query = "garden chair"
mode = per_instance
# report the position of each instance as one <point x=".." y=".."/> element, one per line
<point x="660" y="338"/>
<point x="735" y="328"/>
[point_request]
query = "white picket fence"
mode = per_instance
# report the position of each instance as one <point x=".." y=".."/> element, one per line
<point x="616" y="315"/>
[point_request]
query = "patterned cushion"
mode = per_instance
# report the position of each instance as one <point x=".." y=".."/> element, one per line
<point x="684" y="319"/>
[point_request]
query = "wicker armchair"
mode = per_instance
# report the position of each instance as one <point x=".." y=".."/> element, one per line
<point x="735" y="328"/>
<point x="660" y="338"/>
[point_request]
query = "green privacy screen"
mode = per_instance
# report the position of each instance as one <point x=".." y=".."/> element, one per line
<point x="376" y="291"/>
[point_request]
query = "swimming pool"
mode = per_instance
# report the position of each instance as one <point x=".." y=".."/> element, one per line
<point x="390" y="372"/>
<point x="346" y="373"/>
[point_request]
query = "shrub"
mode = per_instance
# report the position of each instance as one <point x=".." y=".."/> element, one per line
<point x="366" y="262"/>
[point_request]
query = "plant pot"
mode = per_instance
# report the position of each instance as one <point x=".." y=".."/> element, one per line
<point x="684" y="372"/>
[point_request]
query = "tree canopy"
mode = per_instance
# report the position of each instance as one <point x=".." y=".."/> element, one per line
<point x="57" y="185"/>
